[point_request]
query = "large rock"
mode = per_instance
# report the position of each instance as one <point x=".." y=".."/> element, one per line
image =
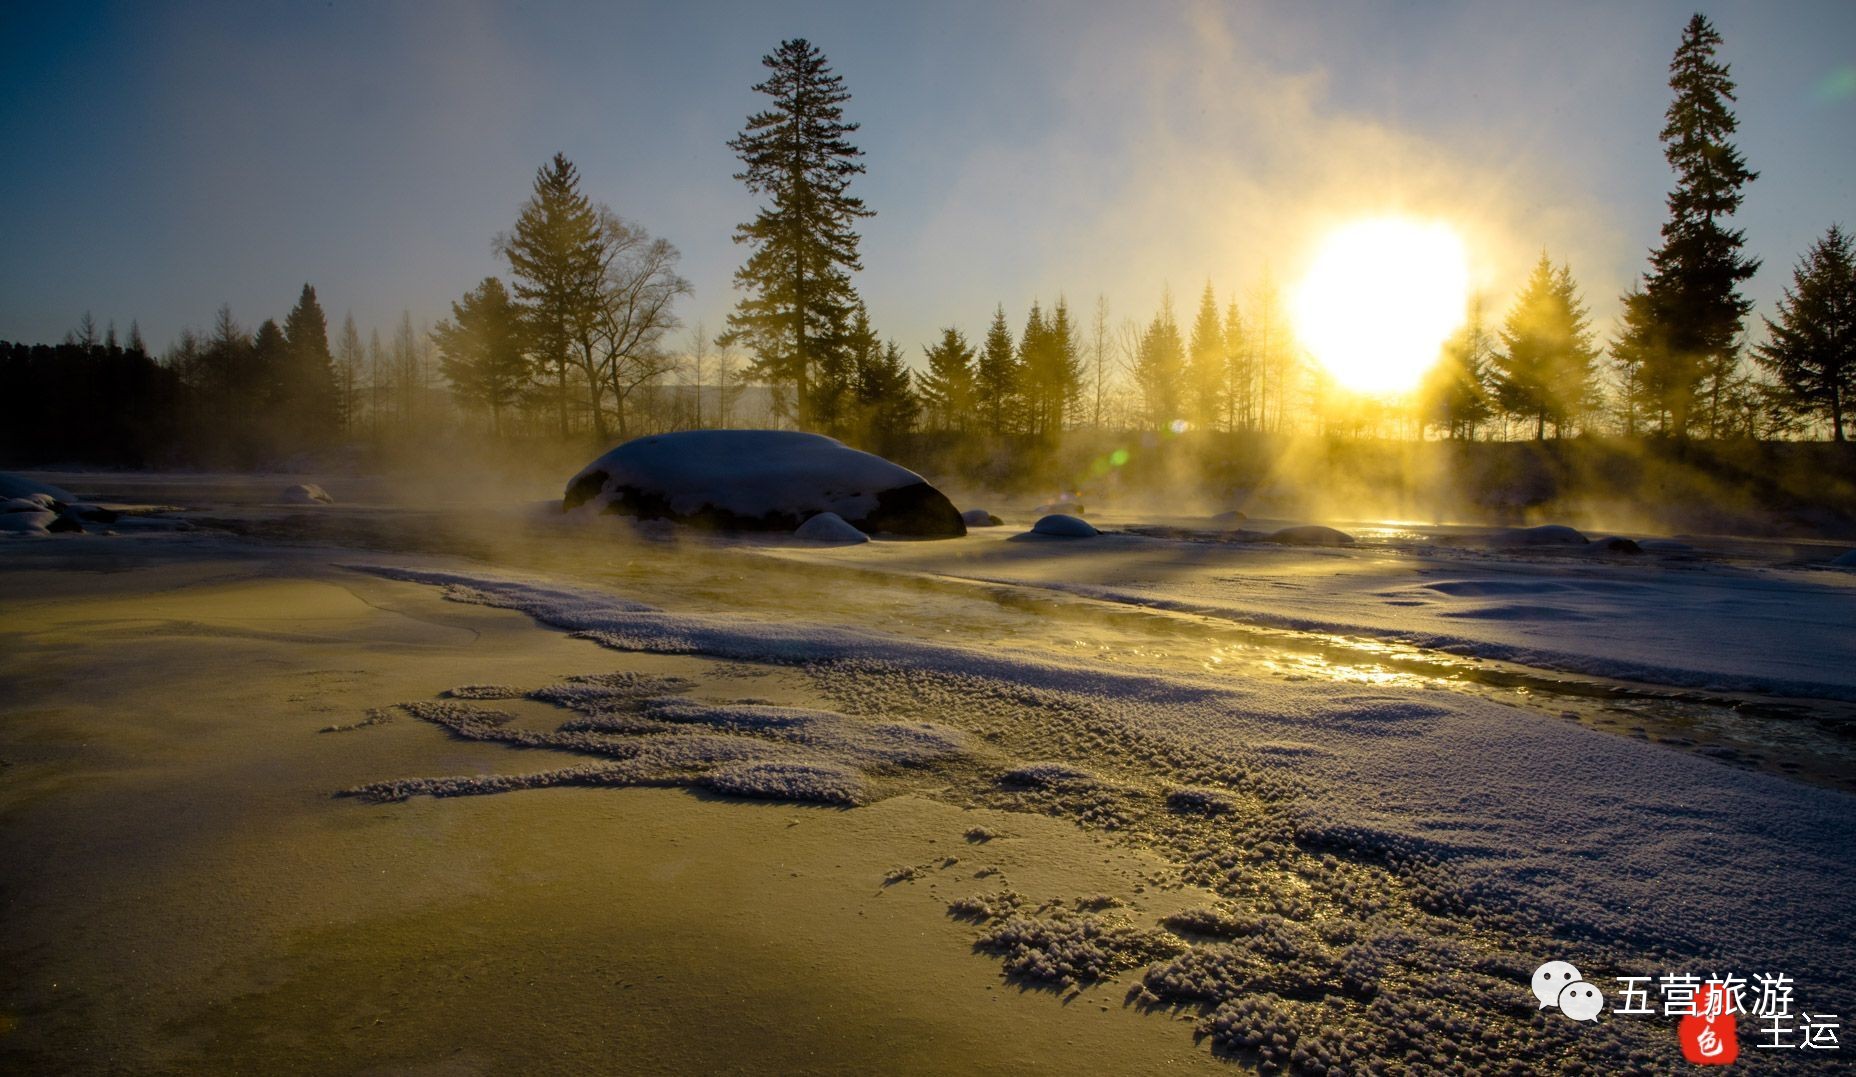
<point x="1309" y="535"/>
<point x="761" y="480"/>
<point x="1061" y="526"/>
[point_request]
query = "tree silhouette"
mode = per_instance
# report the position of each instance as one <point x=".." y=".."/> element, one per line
<point x="308" y="410"/>
<point x="1159" y="365"/>
<point x="997" y="377"/>
<point x="1545" y="369"/>
<point x="1689" y="310"/>
<point x="1456" y="392"/>
<point x="554" y="256"/>
<point x="795" y="153"/>
<point x="482" y="351"/>
<point x="1206" y="365"/>
<point x="1812" y="347"/>
<point x="947" y="389"/>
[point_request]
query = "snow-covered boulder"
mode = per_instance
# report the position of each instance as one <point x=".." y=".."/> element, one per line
<point x="1846" y="559"/>
<point x="1060" y="526"/>
<point x="829" y="527"/>
<point x="979" y="518"/>
<point x="22" y="504"/>
<point x="761" y="480"/>
<point x="1310" y="535"/>
<point x="26" y="523"/>
<point x="308" y="493"/>
<point x="19" y="486"/>
<point x="1613" y="544"/>
<point x="1544" y="535"/>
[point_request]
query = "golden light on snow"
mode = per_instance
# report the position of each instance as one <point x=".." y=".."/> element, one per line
<point x="1380" y="299"/>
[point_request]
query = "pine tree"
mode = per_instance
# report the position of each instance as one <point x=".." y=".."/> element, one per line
<point x="844" y="361"/>
<point x="554" y="255"/>
<point x="1691" y="314"/>
<point x="1034" y="363"/>
<point x="1062" y="379"/>
<point x="1159" y="365"/>
<point x="482" y="351"/>
<point x="1545" y="368"/>
<point x="886" y="404"/>
<point x="308" y="375"/>
<point x="1205" y="365"/>
<point x="803" y="246"/>
<point x="136" y="346"/>
<point x="997" y="377"/>
<point x="1456" y="392"/>
<point x="947" y="389"/>
<point x="1239" y="373"/>
<point x="1811" y="349"/>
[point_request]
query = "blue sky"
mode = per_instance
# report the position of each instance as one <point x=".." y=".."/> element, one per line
<point x="164" y="159"/>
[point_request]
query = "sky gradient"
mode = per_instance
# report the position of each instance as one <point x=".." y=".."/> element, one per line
<point x="165" y="159"/>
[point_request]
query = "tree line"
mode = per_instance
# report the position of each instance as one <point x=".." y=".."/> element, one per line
<point x="577" y="341"/>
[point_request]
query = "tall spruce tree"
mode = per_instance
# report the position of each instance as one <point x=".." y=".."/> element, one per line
<point x="947" y="388"/>
<point x="311" y="416"/>
<point x="804" y="247"/>
<point x="555" y="258"/>
<point x="1811" y="349"/>
<point x="997" y="377"/>
<point x="1545" y="369"/>
<point x="1205" y="365"/>
<point x="1687" y="328"/>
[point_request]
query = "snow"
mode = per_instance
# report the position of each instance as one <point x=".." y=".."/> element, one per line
<point x="1309" y="535"/>
<point x="1499" y="815"/>
<point x="1060" y="525"/>
<point x="30" y="522"/>
<point x="760" y="480"/>
<point x="14" y="485"/>
<point x="1544" y="535"/>
<point x="307" y="493"/>
<point x="830" y="528"/>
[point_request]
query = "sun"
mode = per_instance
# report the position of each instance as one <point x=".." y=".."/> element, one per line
<point x="1380" y="299"/>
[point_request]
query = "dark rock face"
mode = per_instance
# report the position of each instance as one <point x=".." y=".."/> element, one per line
<point x="761" y="480"/>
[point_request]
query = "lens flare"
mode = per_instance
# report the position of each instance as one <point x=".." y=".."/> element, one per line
<point x="1380" y="300"/>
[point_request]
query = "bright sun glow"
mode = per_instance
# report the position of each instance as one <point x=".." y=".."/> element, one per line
<point x="1380" y="300"/>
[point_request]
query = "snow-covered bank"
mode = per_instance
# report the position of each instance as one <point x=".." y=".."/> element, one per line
<point x="1514" y="829"/>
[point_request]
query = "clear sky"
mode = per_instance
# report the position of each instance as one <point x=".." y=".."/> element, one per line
<point x="164" y="158"/>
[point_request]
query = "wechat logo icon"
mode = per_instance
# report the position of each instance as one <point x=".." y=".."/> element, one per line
<point x="1558" y="985"/>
